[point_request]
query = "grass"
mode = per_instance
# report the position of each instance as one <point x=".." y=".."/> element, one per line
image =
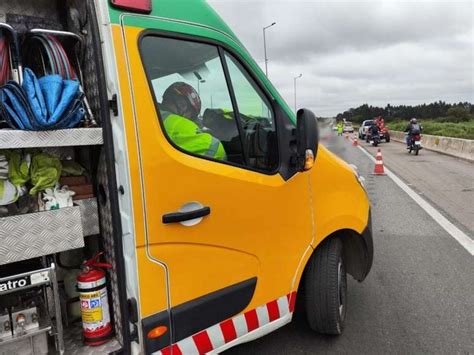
<point x="448" y="129"/>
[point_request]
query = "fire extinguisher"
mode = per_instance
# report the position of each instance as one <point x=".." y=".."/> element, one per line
<point x="92" y="287"/>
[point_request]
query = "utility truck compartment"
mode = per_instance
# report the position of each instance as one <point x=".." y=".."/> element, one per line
<point x="55" y="207"/>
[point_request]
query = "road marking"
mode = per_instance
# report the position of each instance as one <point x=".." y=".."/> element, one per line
<point x="454" y="231"/>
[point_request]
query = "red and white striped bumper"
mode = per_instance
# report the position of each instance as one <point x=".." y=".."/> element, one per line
<point x="233" y="328"/>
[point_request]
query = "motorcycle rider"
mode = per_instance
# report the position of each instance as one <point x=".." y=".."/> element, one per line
<point x="412" y="129"/>
<point x="374" y="130"/>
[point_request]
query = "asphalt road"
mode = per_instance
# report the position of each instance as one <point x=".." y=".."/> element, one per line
<point x="419" y="296"/>
<point x="444" y="181"/>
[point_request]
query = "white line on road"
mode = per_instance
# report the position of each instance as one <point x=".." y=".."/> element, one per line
<point x="454" y="231"/>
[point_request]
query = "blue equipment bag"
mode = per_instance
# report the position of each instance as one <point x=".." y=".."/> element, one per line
<point x="44" y="104"/>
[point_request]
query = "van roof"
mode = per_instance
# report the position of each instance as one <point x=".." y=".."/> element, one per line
<point x="199" y="13"/>
<point x="195" y="11"/>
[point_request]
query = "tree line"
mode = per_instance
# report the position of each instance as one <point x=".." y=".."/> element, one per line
<point x="440" y="110"/>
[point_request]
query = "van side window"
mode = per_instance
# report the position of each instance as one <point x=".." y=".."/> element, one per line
<point x="193" y="97"/>
<point x="201" y="112"/>
<point x="256" y="118"/>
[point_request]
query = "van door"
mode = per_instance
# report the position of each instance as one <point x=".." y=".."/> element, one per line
<point x="230" y="230"/>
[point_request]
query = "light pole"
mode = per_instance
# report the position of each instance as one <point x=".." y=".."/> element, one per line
<point x="294" y="81"/>
<point x="200" y="80"/>
<point x="265" y="48"/>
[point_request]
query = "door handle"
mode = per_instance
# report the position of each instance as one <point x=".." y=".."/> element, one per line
<point x="176" y="217"/>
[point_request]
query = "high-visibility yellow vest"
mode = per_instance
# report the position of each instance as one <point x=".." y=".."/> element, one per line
<point x="188" y="136"/>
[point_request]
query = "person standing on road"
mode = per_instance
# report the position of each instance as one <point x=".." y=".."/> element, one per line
<point x="340" y="128"/>
<point x="412" y="129"/>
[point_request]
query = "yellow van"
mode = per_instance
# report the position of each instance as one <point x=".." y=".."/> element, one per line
<point x="218" y="208"/>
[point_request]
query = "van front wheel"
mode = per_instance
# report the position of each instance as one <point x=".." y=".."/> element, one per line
<point x="326" y="288"/>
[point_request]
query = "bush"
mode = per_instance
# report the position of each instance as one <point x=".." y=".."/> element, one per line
<point x="438" y="128"/>
<point x="458" y="114"/>
<point x="397" y="125"/>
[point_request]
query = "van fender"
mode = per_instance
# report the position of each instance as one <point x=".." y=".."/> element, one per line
<point x="358" y="252"/>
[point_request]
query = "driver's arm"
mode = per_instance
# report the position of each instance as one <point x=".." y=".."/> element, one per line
<point x="187" y="135"/>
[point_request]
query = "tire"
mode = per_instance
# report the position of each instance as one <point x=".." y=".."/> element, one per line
<point x="387" y="138"/>
<point x="409" y="150"/>
<point x="375" y="144"/>
<point x="417" y="150"/>
<point x="326" y="289"/>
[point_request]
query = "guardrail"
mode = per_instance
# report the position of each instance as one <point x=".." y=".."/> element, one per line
<point x="456" y="147"/>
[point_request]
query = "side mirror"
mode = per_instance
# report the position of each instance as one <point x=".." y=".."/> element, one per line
<point x="307" y="138"/>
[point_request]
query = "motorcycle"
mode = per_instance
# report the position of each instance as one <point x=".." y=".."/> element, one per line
<point x="375" y="140"/>
<point x="373" y="137"/>
<point x="415" y="144"/>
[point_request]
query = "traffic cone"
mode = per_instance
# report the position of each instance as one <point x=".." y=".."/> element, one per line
<point x="355" y="141"/>
<point x="378" y="169"/>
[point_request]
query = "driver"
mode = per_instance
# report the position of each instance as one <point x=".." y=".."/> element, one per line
<point x="179" y="111"/>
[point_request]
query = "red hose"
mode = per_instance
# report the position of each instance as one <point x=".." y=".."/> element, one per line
<point x="4" y="60"/>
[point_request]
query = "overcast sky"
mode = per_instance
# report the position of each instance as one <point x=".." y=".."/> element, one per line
<point x="356" y="52"/>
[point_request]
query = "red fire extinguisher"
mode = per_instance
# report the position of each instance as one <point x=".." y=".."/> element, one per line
<point x="92" y="287"/>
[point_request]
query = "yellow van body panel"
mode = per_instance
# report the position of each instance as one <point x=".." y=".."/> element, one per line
<point x="338" y="202"/>
<point x="321" y="201"/>
<point x="338" y="199"/>
<point x="153" y="294"/>
<point x="272" y="255"/>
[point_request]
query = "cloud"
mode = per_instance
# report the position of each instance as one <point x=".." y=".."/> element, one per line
<point x="353" y="52"/>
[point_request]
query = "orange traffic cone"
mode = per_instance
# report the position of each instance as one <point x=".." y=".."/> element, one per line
<point x="378" y="170"/>
<point x="355" y="141"/>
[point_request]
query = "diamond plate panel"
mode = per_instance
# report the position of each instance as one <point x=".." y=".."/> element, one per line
<point x="12" y="138"/>
<point x="74" y="346"/>
<point x="108" y="240"/>
<point x="90" y="69"/>
<point x="36" y="234"/>
<point x="90" y="216"/>
<point x="25" y="346"/>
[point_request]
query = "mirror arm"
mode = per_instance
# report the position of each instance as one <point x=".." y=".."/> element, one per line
<point x="287" y="142"/>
